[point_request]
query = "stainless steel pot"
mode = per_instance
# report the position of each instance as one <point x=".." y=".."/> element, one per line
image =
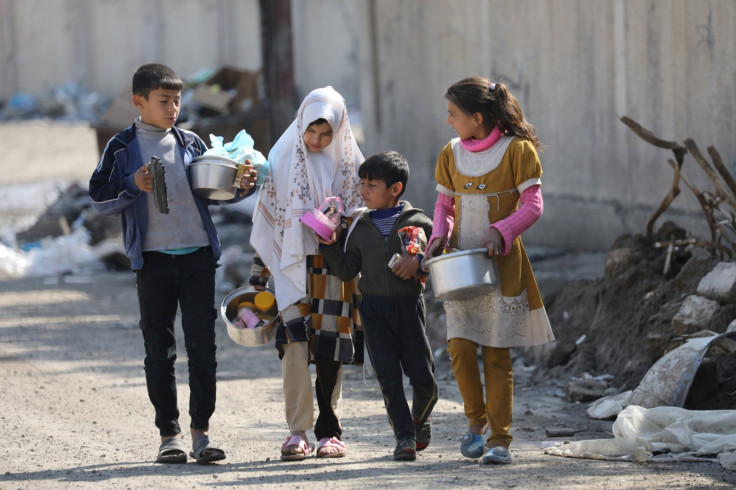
<point x="214" y="177"/>
<point x="249" y="337"/>
<point x="463" y="275"/>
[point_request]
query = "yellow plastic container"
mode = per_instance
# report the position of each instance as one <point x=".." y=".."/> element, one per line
<point x="247" y="304"/>
<point x="265" y="301"/>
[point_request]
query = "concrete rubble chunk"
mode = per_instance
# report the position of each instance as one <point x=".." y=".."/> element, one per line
<point x="731" y="327"/>
<point x="585" y="390"/>
<point x="695" y="314"/>
<point x="720" y="283"/>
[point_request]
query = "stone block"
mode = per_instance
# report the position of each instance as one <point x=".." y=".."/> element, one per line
<point x="585" y="390"/>
<point x="720" y="283"/>
<point x="695" y="314"/>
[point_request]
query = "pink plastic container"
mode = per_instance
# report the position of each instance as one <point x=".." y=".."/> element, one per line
<point x="249" y="319"/>
<point x="325" y="219"/>
<point x="319" y="223"/>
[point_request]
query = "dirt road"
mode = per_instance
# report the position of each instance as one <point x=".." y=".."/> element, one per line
<point x="75" y="413"/>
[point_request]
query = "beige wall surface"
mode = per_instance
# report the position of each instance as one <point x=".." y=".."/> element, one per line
<point x="575" y="66"/>
<point x="100" y="43"/>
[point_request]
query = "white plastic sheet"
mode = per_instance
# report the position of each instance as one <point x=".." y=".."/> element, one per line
<point x="687" y="435"/>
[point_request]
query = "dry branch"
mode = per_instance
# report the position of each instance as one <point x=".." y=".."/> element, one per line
<point x="722" y="231"/>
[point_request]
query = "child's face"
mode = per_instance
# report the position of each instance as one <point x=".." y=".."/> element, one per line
<point x="161" y="109"/>
<point x="317" y="137"/>
<point x="377" y="195"/>
<point x="465" y="125"/>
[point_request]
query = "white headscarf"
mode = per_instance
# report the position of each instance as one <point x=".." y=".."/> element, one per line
<point x="299" y="181"/>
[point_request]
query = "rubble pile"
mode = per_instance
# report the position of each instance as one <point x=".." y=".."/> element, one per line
<point x="660" y="292"/>
<point x="622" y="323"/>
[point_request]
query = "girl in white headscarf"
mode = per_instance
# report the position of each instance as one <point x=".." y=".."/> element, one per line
<point x="315" y="158"/>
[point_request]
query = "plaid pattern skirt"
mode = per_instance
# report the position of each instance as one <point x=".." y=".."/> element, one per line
<point x="337" y="332"/>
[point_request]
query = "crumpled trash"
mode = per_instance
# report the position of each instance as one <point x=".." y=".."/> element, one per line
<point x="52" y="256"/>
<point x="239" y="150"/>
<point x="20" y="105"/>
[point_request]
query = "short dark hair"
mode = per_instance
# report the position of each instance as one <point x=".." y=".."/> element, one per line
<point x="155" y="76"/>
<point x="389" y="166"/>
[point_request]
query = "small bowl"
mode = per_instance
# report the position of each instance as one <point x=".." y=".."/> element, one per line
<point x="248" y="337"/>
<point x="463" y="275"/>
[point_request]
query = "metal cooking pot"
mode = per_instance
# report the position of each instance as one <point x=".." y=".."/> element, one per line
<point x="249" y="337"/>
<point x="463" y="275"/>
<point x="214" y="176"/>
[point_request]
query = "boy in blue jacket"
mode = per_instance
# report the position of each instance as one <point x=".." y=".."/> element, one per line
<point x="392" y="306"/>
<point x="174" y="254"/>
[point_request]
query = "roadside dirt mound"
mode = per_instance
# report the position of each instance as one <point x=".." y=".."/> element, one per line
<point x="621" y="324"/>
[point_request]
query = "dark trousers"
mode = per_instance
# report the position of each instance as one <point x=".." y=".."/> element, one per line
<point x="397" y="344"/>
<point x="328" y="424"/>
<point x="164" y="283"/>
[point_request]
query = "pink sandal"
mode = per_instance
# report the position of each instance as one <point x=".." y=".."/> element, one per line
<point x="295" y="449"/>
<point x="331" y="442"/>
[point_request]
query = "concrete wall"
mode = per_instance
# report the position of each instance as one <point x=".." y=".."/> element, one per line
<point x="575" y="66"/>
<point x="326" y="51"/>
<point x="99" y="44"/>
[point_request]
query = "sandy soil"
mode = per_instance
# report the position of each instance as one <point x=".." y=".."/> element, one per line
<point x="75" y="412"/>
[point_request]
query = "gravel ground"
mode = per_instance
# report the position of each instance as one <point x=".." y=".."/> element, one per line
<point x="75" y="413"/>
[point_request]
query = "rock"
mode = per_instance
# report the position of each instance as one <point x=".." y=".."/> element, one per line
<point x="692" y="273"/>
<point x="656" y="343"/>
<point x="559" y="432"/>
<point x="720" y="283"/>
<point x="585" y="390"/>
<point x="695" y="314"/>
<point x="607" y="408"/>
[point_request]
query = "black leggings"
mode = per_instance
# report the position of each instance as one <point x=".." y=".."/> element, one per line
<point x="328" y="371"/>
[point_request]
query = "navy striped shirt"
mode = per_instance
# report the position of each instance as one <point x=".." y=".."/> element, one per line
<point x="384" y="219"/>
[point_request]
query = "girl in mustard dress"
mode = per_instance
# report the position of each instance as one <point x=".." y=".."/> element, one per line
<point x="488" y="183"/>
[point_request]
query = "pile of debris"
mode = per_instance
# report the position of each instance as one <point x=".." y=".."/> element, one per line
<point x="621" y="324"/>
<point x="659" y="291"/>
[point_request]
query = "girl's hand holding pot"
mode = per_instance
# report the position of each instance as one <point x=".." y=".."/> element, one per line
<point x="493" y="240"/>
<point x="433" y="249"/>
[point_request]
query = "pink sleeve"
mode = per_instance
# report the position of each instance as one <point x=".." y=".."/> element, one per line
<point x="444" y="218"/>
<point x="530" y="209"/>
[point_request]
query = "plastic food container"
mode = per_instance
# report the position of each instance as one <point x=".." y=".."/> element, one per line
<point x="265" y="301"/>
<point x="325" y="219"/>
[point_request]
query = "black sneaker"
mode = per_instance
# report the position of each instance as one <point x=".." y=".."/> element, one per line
<point x="423" y="433"/>
<point x="406" y="450"/>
